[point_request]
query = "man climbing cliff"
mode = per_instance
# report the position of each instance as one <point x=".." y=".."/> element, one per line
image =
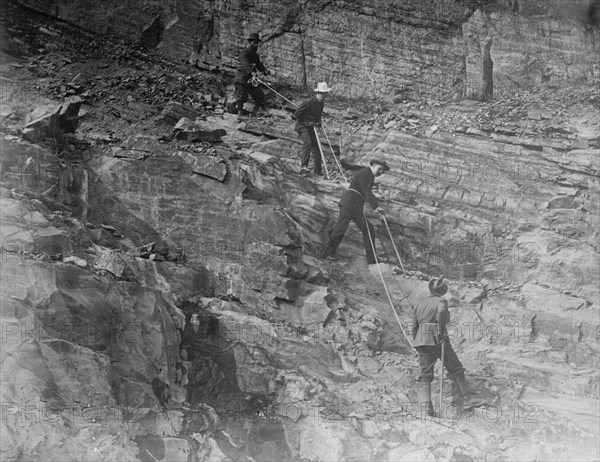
<point x="308" y="116"/>
<point x="248" y="61"/>
<point x="352" y="209"/>
<point x="430" y="318"/>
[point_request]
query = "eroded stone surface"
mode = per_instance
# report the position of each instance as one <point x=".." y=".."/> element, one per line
<point x="188" y="315"/>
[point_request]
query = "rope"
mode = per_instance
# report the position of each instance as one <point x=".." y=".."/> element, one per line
<point x="321" y="151"/>
<point x="255" y="81"/>
<point x="366" y="223"/>
<point x="333" y="153"/>
<point x="400" y="288"/>
<point x="399" y="259"/>
<point x="394" y="244"/>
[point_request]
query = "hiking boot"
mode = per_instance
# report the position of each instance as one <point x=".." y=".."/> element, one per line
<point x="469" y="395"/>
<point x="240" y="109"/>
<point x="232" y="108"/>
<point x="424" y="399"/>
<point x="262" y="110"/>
<point x="463" y="386"/>
<point x="451" y="389"/>
<point x="472" y="401"/>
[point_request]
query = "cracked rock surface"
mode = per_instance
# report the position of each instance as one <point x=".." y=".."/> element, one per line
<point x="162" y="295"/>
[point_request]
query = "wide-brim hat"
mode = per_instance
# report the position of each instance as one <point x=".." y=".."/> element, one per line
<point x="322" y="88"/>
<point x="385" y="166"/>
<point x="253" y="37"/>
<point x="438" y="287"/>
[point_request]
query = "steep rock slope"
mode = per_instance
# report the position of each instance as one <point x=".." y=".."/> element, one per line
<point x="275" y="365"/>
<point x="161" y="299"/>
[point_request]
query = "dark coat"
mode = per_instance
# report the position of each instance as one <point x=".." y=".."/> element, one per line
<point x="246" y="59"/>
<point x="359" y="191"/>
<point x="308" y="113"/>
<point x="430" y="317"/>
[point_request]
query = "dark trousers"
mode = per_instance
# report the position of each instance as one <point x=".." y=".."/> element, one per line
<point x="309" y="144"/>
<point x="428" y="355"/>
<point x="242" y="90"/>
<point x="347" y="215"/>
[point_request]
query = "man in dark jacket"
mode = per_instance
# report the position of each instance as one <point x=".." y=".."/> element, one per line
<point x="308" y="116"/>
<point x="248" y="61"/>
<point x="430" y="317"/>
<point x="352" y="209"/>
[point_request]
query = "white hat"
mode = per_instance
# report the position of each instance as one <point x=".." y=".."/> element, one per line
<point x="322" y="87"/>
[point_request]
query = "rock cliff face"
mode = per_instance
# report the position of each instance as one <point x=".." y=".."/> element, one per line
<point x="369" y="49"/>
<point x="266" y="353"/>
<point x="162" y="298"/>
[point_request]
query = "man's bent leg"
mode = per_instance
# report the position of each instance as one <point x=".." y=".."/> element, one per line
<point x="452" y="363"/>
<point x="257" y="94"/>
<point x="241" y="96"/>
<point x="338" y="233"/>
<point x="367" y="230"/>
<point x="456" y="373"/>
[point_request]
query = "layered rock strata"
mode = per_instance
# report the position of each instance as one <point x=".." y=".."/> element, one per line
<point x="162" y="298"/>
<point x="365" y="49"/>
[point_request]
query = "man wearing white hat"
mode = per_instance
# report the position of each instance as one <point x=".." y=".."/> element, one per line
<point x="248" y="61"/>
<point x="308" y="115"/>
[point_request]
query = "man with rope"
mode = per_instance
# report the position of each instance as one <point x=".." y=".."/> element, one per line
<point x="248" y="61"/>
<point x="308" y="116"/>
<point x="430" y="317"/>
<point x="352" y="209"/>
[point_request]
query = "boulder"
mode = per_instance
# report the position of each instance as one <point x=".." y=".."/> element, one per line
<point x="110" y="261"/>
<point x="186" y="130"/>
<point x="51" y="119"/>
<point x="214" y="167"/>
<point x="174" y="111"/>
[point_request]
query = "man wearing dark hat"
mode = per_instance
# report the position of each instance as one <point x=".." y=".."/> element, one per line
<point x="248" y="62"/>
<point x="430" y="317"/>
<point x="352" y="209"/>
<point x="308" y="115"/>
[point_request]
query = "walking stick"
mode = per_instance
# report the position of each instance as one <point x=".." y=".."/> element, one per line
<point x="255" y="80"/>
<point x="337" y="162"/>
<point x="321" y="151"/>
<point x="442" y="374"/>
